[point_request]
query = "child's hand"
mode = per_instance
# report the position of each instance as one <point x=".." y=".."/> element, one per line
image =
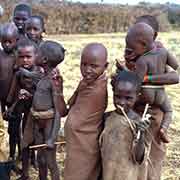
<point x="57" y="80"/>
<point x="144" y="124"/>
<point x="24" y="95"/>
<point x="162" y="136"/>
<point x="120" y="65"/>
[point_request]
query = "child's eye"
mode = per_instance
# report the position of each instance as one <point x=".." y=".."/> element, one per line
<point x="94" y="66"/>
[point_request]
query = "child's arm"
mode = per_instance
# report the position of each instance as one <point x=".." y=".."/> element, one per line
<point x="138" y="150"/>
<point x="171" y="61"/>
<point x="59" y="110"/>
<point x="13" y="90"/>
<point x="167" y="118"/>
<point x="141" y="68"/>
<point x="167" y="78"/>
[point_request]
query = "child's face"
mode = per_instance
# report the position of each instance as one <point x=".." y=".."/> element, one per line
<point x="8" y="43"/>
<point x="125" y="95"/>
<point x="92" y="68"/>
<point x="34" y="29"/>
<point x="27" y="56"/>
<point x="20" y="17"/>
<point x="137" y="47"/>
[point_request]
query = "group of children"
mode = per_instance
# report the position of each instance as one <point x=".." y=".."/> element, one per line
<point x="115" y="145"/>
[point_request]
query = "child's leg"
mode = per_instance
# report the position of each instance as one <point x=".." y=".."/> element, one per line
<point x="42" y="164"/>
<point x="51" y="152"/>
<point x="12" y="139"/>
<point x="25" y="163"/>
<point x="52" y="164"/>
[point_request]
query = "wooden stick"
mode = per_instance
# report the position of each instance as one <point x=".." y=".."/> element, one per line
<point x="143" y="117"/>
<point x="128" y="120"/>
<point x="45" y="145"/>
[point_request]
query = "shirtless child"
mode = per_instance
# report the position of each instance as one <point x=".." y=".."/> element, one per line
<point x="84" y="122"/>
<point x="48" y="107"/>
<point x="124" y="156"/>
<point x="151" y="61"/>
<point x="9" y="37"/>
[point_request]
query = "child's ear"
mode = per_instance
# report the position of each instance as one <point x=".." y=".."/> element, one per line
<point x="106" y="65"/>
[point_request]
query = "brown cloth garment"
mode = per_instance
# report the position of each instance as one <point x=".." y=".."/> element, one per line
<point x="82" y="129"/>
<point x="116" y="149"/>
<point x="157" y="151"/>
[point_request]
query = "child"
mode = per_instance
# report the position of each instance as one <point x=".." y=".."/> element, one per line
<point x="84" y="123"/>
<point x="21" y="14"/>
<point x="9" y="37"/>
<point x="26" y="55"/>
<point x="151" y="60"/>
<point x="151" y="21"/>
<point x="48" y="107"/>
<point x="35" y="28"/>
<point x="124" y="155"/>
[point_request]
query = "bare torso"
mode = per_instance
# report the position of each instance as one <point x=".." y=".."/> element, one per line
<point x="43" y="100"/>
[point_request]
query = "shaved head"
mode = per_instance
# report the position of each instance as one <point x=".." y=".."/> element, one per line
<point x="93" y="61"/>
<point x="141" y="31"/>
<point x="9" y="29"/>
<point x="97" y="51"/>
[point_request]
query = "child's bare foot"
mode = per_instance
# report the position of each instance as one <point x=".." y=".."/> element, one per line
<point x="163" y="136"/>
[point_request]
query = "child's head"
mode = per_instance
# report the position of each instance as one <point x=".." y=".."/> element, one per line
<point x="9" y="37"/>
<point x="93" y="61"/>
<point x="27" y="52"/>
<point x="34" y="28"/>
<point x="151" y="21"/>
<point x="126" y="86"/>
<point x="21" y="14"/>
<point x="51" y="54"/>
<point x="140" y="38"/>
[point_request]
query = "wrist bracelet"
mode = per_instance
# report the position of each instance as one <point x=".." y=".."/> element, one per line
<point x="146" y="78"/>
<point x="150" y="78"/>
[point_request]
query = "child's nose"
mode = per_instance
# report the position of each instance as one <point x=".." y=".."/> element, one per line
<point x="88" y="69"/>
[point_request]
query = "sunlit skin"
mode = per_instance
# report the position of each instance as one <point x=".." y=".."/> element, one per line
<point x="20" y="17"/>
<point x="27" y="56"/>
<point x="34" y="29"/>
<point x="125" y="95"/>
<point x="93" y="62"/>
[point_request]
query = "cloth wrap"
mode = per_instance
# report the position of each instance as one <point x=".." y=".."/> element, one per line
<point x="116" y="149"/>
<point x="29" y="132"/>
<point x="82" y="129"/>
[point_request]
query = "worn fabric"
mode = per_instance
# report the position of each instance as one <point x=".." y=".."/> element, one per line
<point x="82" y="129"/>
<point x="43" y="115"/>
<point x="157" y="151"/>
<point x="116" y="149"/>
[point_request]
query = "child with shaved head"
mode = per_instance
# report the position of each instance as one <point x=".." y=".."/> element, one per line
<point x="84" y="123"/>
<point x="152" y="61"/>
<point x="9" y="37"/>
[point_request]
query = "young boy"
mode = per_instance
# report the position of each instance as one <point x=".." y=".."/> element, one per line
<point x="35" y="28"/>
<point x="84" y="123"/>
<point x="152" y="60"/>
<point x="21" y="14"/>
<point x="124" y="155"/>
<point x="48" y="107"/>
<point x="22" y="85"/>
<point x="9" y="37"/>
